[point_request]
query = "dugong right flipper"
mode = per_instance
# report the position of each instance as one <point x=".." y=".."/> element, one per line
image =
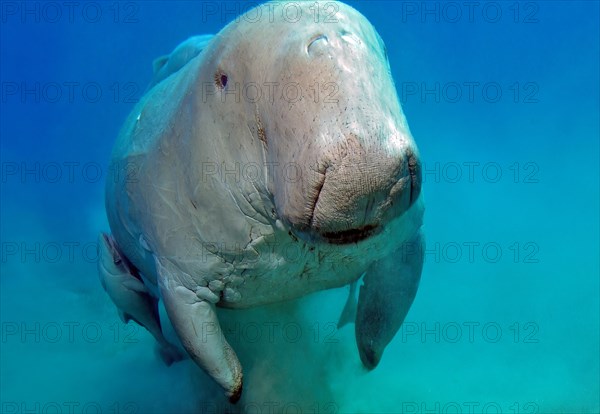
<point x="130" y="295"/>
<point x="385" y="298"/>
<point x="194" y="319"/>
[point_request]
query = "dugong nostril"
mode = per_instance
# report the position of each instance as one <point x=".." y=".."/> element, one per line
<point x="316" y="42"/>
<point x="350" y="38"/>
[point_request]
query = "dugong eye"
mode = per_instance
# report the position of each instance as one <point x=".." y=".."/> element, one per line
<point x="221" y="79"/>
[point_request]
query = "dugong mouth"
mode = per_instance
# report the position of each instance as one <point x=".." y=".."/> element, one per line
<point x="352" y="235"/>
<point x="340" y="237"/>
<point x="337" y="216"/>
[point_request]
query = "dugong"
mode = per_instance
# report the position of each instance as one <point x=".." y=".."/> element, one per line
<point x="264" y="163"/>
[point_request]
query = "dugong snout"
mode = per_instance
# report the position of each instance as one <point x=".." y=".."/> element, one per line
<point x="356" y="191"/>
<point x="358" y="164"/>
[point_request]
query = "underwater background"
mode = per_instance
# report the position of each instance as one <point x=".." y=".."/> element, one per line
<point x="503" y="102"/>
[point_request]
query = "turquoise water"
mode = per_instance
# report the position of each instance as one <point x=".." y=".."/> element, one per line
<point x="503" y="101"/>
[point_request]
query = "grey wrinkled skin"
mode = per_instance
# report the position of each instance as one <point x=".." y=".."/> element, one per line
<point x="220" y="198"/>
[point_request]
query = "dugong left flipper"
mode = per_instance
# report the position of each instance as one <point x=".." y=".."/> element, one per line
<point x="385" y="298"/>
<point x="195" y="321"/>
